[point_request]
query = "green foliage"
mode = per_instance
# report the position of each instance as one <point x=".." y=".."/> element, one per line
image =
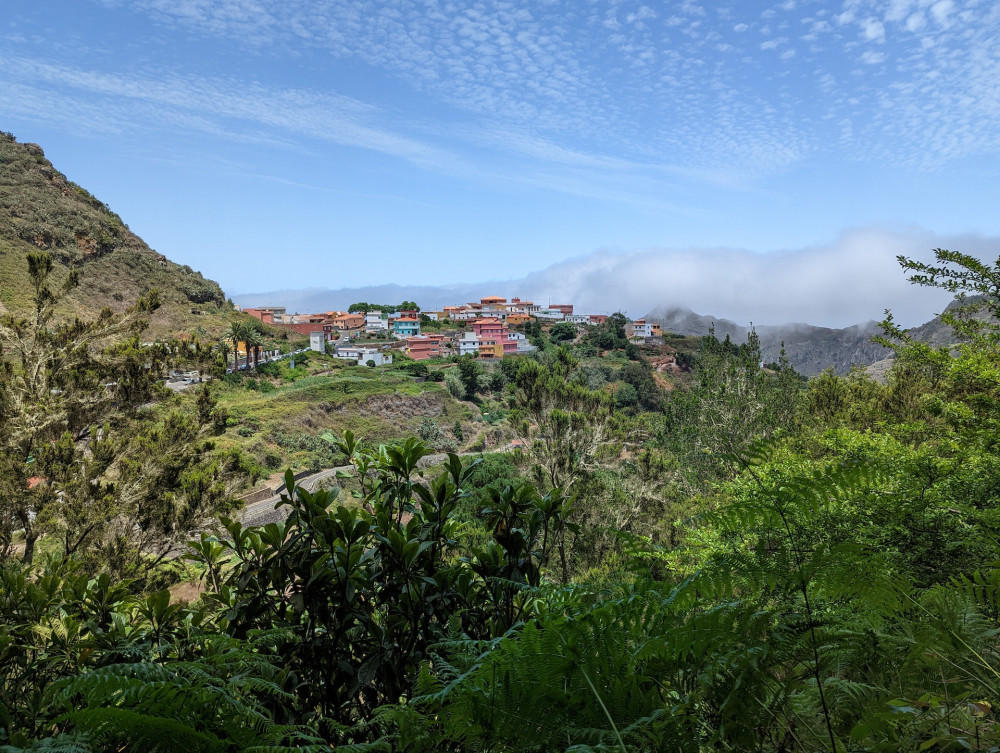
<point x="469" y="372"/>
<point x="110" y="482"/>
<point x="610" y="335"/>
<point x="366" y="591"/>
<point x="626" y="396"/>
<point x="733" y="405"/>
<point x="962" y="274"/>
<point x="561" y="332"/>
<point x="363" y="308"/>
<point x="764" y="568"/>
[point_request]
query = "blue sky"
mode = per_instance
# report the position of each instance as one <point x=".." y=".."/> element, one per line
<point x="301" y="143"/>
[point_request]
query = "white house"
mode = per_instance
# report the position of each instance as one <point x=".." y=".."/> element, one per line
<point x="376" y="321"/>
<point x="578" y="318"/>
<point x="362" y="355"/>
<point x="641" y="329"/>
<point x="523" y="346"/>
<point x="468" y="344"/>
<point x="551" y="314"/>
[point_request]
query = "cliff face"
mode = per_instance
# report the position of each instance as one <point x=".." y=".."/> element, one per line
<point x="40" y="209"/>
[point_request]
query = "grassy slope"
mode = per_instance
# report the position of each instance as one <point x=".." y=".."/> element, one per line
<point x="280" y="427"/>
<point x="40" y="209"/>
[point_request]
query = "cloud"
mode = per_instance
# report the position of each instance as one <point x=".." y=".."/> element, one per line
<point x="849" y="281"/>
<point x="215" y="106"/>
<point x="629" y="79"/>
<point x="873" y="30"/>
<point x="942" y="11"/>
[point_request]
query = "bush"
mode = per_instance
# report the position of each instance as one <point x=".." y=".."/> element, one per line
<point x="430" y="431"/>
<point x="626" y="396"/>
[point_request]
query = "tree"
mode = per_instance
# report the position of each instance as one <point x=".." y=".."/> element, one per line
<point x="733" y="405"/>
<point x="610" y="335"/>
<point x="78" y="458"/>
<point x="367" y="591"/>
<point x="237" y="334"/>
<point x="626" y="396"/>
<point x="562" y="332"/>
<point x="962" y="274"/>
<point x="469" y="372"/>
<point x="224" y="348"/>
<point x="253" y="338"/>
<point x="61" y="380"/>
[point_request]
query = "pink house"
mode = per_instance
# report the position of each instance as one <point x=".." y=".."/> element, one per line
<point x="494" y="330"/>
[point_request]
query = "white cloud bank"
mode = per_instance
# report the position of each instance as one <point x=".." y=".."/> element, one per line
<point x="849" y="281"/>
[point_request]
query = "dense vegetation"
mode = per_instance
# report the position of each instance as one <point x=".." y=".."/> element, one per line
<point x="745" y="562"/>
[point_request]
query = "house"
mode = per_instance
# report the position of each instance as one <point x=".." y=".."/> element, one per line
<point x="565" y="308"/>
<point x="598" y="318"/>
<point x="376" y="321"/>
<point x="549" y="314"/>
<point x="345" y="322"/>
<point x="305" y="324"/>
<point x="405" y="326"/>
<point x="640" y="329"/>
<point x="526" y="307"/>
<point x="362" y="355"/>
<point x="267" y="314"/>
<point x="468" y="344"/>
<point x="493" y="338"/>
<point x="491" y="347"/>
<point x="421" y="347"/>
<point x="521" y="343"/>
<point x="493" y="305"/>
<point x="578" y="318"/>
<point x="514" y="319"/>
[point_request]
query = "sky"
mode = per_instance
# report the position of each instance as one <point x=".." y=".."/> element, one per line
<point x="631" y="154"/>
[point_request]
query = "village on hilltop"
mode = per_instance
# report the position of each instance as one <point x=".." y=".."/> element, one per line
<point x="482" y="329"/>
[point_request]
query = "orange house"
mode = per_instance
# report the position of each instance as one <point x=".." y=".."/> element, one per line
<point x="421" y="347"/>
<point x="348" y="321"/>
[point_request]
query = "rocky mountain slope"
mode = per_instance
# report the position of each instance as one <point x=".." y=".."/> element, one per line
<point x="41" y="209"/>
<point x="810" y="349"/>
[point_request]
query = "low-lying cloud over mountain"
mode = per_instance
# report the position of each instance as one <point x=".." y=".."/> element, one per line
<point x="849" y="281"/>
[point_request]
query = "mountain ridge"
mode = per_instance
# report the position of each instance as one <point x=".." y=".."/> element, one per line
<point x="41" y="209"/>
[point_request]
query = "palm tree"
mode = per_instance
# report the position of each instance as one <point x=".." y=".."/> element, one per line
<point x="237" y="333"/>
<point x="253" y="338"/>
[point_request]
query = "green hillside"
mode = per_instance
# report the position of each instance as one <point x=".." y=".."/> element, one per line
<point x="41" y="209"/>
